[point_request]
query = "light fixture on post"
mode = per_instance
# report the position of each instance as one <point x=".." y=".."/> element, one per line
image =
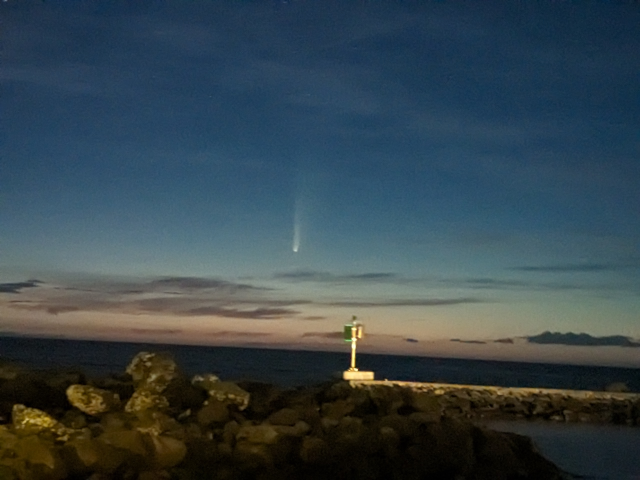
<point x="353" y="332"/>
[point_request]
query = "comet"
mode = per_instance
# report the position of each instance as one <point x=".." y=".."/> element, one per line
<point x="296" y="227"/>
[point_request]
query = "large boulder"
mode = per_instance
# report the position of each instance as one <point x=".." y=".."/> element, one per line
<point x="226" y="392"/>
<point x="152" y="371"/>
<point x="92" y="400"/>
<point x="144" y="399"/>
<point x="31" y="421"/>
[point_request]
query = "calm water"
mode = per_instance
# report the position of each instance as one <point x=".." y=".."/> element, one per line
<point x="598" y="452"/>
<point x="292" y="368"/>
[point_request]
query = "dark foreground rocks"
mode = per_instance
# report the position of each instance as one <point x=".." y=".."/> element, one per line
<point x="154" y="423"/>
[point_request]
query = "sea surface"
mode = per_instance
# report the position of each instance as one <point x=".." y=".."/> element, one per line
<point x="595" y="451"/>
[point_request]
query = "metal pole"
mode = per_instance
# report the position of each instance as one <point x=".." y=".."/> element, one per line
<point x="354" y="339"/>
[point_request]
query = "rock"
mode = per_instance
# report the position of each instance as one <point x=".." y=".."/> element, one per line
<point x="230" y="431"/>
<point x="264" y="434"/>
<point x="183" y="395"/>
<point x="494" y="452"/>
<point x="74" y="419"/>
<point x="390" y="441"/>
<point x="389" y="399"/>
<point x="214" y="411"/>
<point x="315" y="451"/>
<point x="168" y="451"/>
<point x="157" y="423"/>
<point x="31" y="421"/>
<point x="425" y="402"/>
<point x="349" y="430"/>
<point x="7" y="438"/>
<point x="115" y="421"/>
<point x="7" y="473"/>
<point x="37" y="458"/>
<point x="617" y="387"/>
<point x="152" y="371"/>
<point x="298" y="430"/>
<point x="82" y="455"/>
<point x="205" y="382"/>
<point x="337" y="409"/>
<point x="227" y="392"/>
<point x="424" y="418"/>
<point x="401" y="424"/>
<point x="91" y="455"/>
<point x="131" y="441"/>
<point x="266" y="398"/>
<point x="155" y="475"/>
<point x="541" y="407"/>
<point x="145" y="400"/>
<point x="444" y="449"/>
<point x="120" y="384"/>
<point x="336" y="430"/>
<point x="284" y="416"/>
<point x="92" y="400"/>
<point x="250" y="456"/>
<point x="529" y="460"/>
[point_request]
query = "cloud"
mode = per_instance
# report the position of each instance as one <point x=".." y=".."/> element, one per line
<point x="568" y="268"/>
<point x="491" y="283"/>
<point x="255" y="314"/>
<point x="430" y="302"/>
<point x="56" y="309"/>
<point x="478" y="342"/>
<point x="195" y="296"/>
<point x="197" y="283"/>
<point x="339" y="336"/>
<point x="183" y="296"/>
<point x="328" y="335"/>
<point x="156" y="331"/>
<point x="486" y="283"/>
<point x="325" y="277"/>
<point x="18" y="286"/>
<point x="583" y="339"/>
<point x="230" y="333"/>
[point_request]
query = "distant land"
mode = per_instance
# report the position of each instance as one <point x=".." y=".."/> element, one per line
<point x="578" y="339"/>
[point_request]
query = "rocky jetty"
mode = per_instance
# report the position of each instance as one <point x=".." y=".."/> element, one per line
<point x="154" y="423"/>
<point x="475" y="402"/>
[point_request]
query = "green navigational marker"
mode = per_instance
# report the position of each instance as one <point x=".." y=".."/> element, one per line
<point x="353" y="332"/>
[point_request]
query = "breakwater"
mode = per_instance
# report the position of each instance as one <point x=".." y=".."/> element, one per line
<point x="493" y="402"/>
<point x="152" y="422"/>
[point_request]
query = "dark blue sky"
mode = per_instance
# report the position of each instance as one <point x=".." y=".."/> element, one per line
<point x="484" y="155"/>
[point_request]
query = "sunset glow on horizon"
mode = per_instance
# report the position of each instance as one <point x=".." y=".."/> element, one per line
<point x="254" y="174"/>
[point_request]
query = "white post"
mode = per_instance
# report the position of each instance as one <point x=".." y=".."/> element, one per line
<point x="354" y="339"/>
<point x="357" y="332"/>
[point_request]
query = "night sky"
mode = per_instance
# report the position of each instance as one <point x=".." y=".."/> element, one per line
<point x="255" y="173"/>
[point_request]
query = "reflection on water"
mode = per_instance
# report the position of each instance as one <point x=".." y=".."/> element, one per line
<point x="610" y="452"/>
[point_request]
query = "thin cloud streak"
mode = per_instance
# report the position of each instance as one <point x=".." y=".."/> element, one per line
<point x="197" y="283"/>
<point x="571" y="268"/>
<point x="17" y="287"/>
<point x="433" y="302"/>
<point x="325" y="277"/>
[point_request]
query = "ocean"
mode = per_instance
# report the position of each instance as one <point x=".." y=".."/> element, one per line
<point x="603" y="452"/>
